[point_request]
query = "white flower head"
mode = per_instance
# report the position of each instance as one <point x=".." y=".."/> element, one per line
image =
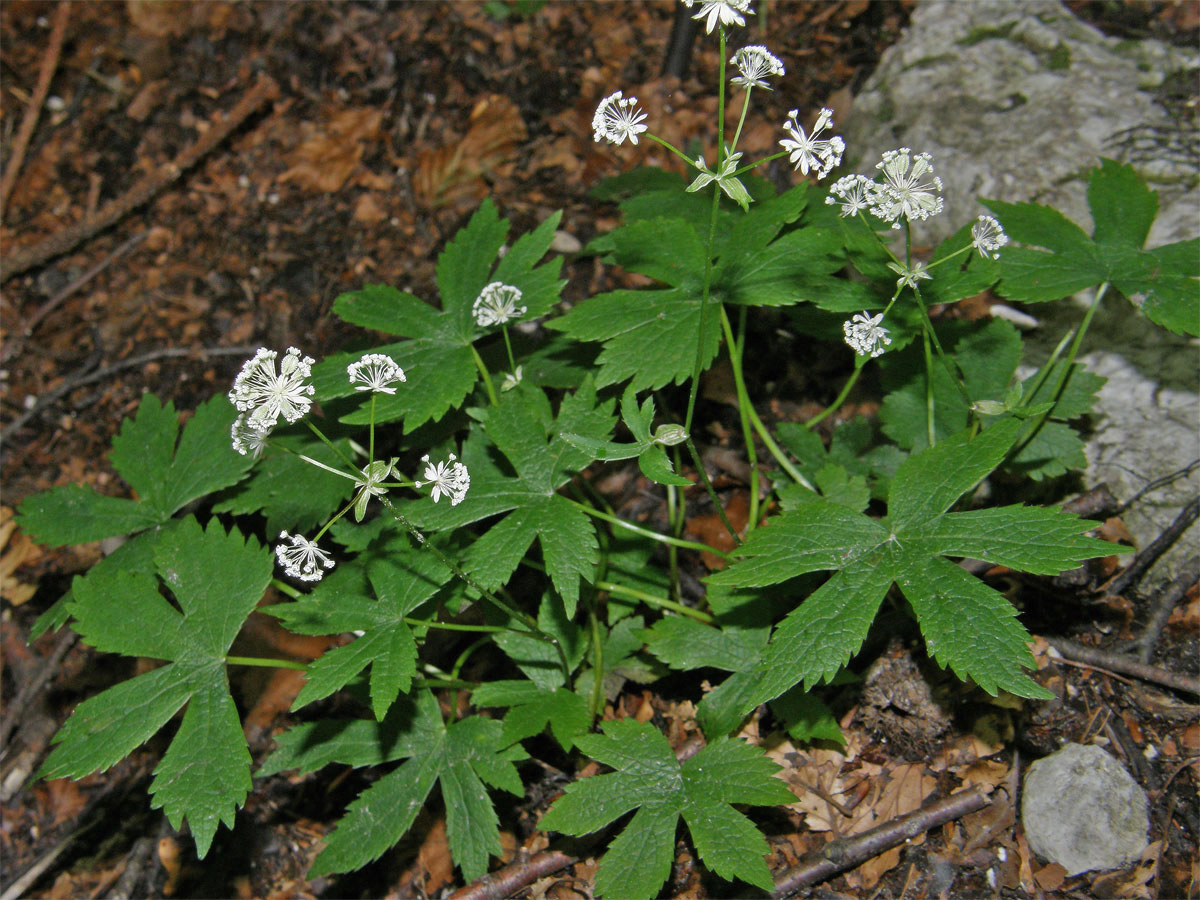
<point x="497" y="304"/>
<point x="248" y="440"/>
<point x="375" y="372"/>
<point x="907" y="191"/>
<point x="856" y="193"/>
<point x="449" y="478"/>
<point x="987" y="236"/>
<point x="727" y="12"/>
<point x="618" y="118"/>
<point x="512" y="379"/>
<point x="807" y="151"/>
<point x="865" y="335"/>
<point x="266" y="395"/>
<point x="301" y="558"/>
<point x="909" y="276"/>
<point x="756" y="64"/>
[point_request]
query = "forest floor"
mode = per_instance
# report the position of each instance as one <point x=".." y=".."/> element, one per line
<point x="365" y="135"/>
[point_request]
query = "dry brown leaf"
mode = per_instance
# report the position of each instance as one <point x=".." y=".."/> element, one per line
<point x="17" y="550"/>
<point x="332" y="150"/>
<point x="449" y="174"/>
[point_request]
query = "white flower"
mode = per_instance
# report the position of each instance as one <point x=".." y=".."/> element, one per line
<point x="512" y="379"/>
<point x="497" y="304"/>
<point x="248" y="440"/>
<point x="755" y="63"/>
<point x="988" y="237"/>
<point x="904" y="193"/>
<point x="303" y="559"/>
<point x="807" y="150"/>
<point x="727" y="12"/>
<point x="617" y="119"/>
<point x="909" y="277"/>
<point x="375" y="372"/>
<point x="865" y="335"/>
<point x="270" y="396"/>
<point x="856" y="193"/>
<point x="449" y="478"/>
<point x="370" y="484"/>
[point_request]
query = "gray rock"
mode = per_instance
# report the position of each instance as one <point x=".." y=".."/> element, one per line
<point x="1082" y="810"/>
<point x="1018" y="100"/>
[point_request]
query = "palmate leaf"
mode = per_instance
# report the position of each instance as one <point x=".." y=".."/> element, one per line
<point x="437" y="358"/>
<point x="650" y="779"/>
<point x="650" y="336"/>
<point x="967" y="626"/>
<point x="216" y="579"/>
<point x="652" y="458"/>
<point x="1164" y="282"/>
<point x="166" y="476"/>
<point x="464" y="758"/>
<point x="524" y="430"/>
<point x="531" y="708"/>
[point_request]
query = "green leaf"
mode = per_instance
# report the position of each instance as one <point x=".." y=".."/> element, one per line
<point x="165" y="477"/>
<point x="1126" y="205"/>
<point x="216" y="580"/>
<point x="648" y="778"/>
<point x="966" y="624"/>
<point x="532" y="708"/>
<point x="461" y="758"/>
<point x="807" y="718"/>
<point x="683" y="643"/>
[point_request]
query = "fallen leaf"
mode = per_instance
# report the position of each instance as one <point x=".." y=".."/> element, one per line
<point x="455" y="172"/>
<point x="332" y="150"/>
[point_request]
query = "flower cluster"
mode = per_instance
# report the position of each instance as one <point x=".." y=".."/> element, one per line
<point x="497" y="304"/>
<point x="725" y="12"/>
<point x="301" y="558"/>
<point x="807" y="151"/>
<point x="375" y="372"/>
<point x="266" y="396"/>
<point x="617" y="118"/>
<point x="755" y="63"/>
<point x="908" y="191"/>
<point x="865" y="334"/>
<point x="449" y="478"/>
<point x="988" y="237"/>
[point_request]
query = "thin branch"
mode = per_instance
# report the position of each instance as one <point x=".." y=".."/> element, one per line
<point x="1126" y="665"/>
<point x="838" y="856"/>
<point x="1163" y="605"/>
<point x="220" y="127"/>
<point x="34" y="109"/>
<point x="1149" y="556"/>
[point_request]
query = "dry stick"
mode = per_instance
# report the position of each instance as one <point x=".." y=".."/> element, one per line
<point x="34" y="109"/>
<point x="1126" y="665"/>
<point x="220" y="127"/>
<point x="33" y="687"/>
<point x="99" y="374"/>
<point x="841" y="855"/>
<point x="1160" y="545"/>
<point x="13" y="347"/>
<point x="1163" y="606"/>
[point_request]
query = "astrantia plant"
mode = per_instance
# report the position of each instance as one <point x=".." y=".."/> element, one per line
<point x="390" y="494"/>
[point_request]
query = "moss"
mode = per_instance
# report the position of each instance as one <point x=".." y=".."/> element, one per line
<point x="986" y="33"/>
<point x="1060" y="58"/>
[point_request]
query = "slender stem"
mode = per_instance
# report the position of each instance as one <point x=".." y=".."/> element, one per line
<point x="777" y="452"/>
<point x="487" y="377"/>
<point x="264" y="663"/>
<point x="675" y="515"/>
<point x="741" y="120"/>
<point x="672" y="148"/>
<point x="451" y="626"/>
<point x="930" y="430"/>
<point x="646" y="532"/>
<point x="734" y="347"/>
<point x="328" y="443"/>
<point x="859" y="362"/>
<point x="699" y="463"/>
<point x="927" y="324"/>
<point x="371" y="439"/>
<point x="512" y="365"/>
<point x="457" y="668"/>
<point x="704" y="296"/>
<point x="597" y="703"/>
<point x="661" y="602"/>
<point x="284" y="588"/>
<point x="321" y="465"/>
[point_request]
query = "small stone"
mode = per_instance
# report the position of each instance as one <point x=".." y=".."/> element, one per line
<point x="1082" y="810"/>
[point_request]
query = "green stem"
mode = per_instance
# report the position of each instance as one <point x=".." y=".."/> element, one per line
<point x="661" y="602"/>
<point x="931" y="431"/>
<point x="450" y="626"/>
<point x="328" y="443"/>
<point x="646" y="532"/>
<point x="487" y="377"/>
<point x="859" y="362"/>
<point x="512" y="365"/>
<point x="777" y="452"/>
<point x="704" y="296"/>
<point x="371" y="439"/>
<point x="744" y="406"/>
<point x="284" y="588"/>
<point x="691" y="162"/>
<point x="597" y="703"/>
<point x="264" y="663"/>
<point x="676" y="504"/>
<point x="699" y="463"/>
<point x="741" y="120"/>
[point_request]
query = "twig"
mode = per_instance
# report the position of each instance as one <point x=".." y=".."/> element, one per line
<point x="220" y="127"/>
<point x="13" y="347"/>
<point x="31" y="688"/>
<point x="1126" y="665"/>
<point x="1160" y="545"/>
<point x="1164" y="605"/>
<point x="99" y="374"/>
<point x="841" y="855"/>
<point x="1159" y="482"/>
<point x="34" y="109"/>
<point x="515" y="876"/>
